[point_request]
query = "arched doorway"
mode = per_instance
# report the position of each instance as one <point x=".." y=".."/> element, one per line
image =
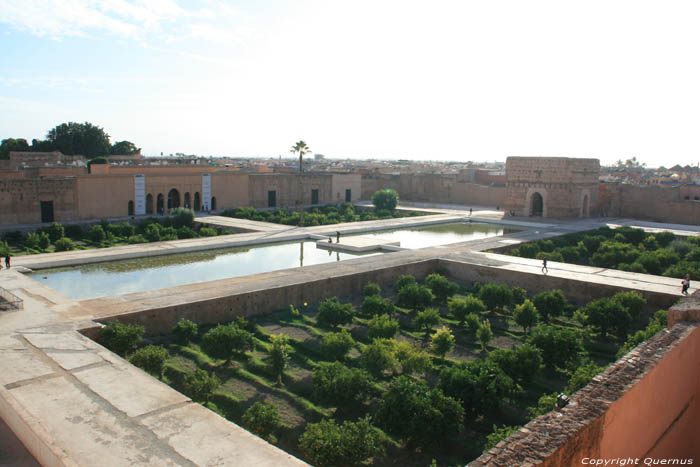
<point x="213" y="203"/>
<point x="197" y="202"/>
<point x="149" y="204"/>
<point x="160" y="204"/>
<point x="173" y="199"/>
<point x="187" y="200"/>
<point x="584" y="206"/>
<point x="130" y="209"/>
<point x="536" y="205"/>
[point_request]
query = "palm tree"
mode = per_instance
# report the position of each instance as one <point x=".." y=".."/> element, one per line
<point x="302" y="149"/>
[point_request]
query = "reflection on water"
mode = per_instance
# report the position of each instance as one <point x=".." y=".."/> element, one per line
<point x="136" y="275"/>
<point x="442" y="234"/>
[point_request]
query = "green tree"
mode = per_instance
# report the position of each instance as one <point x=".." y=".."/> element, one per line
<point x="498" y="435"/>
<point x="495" y="296"/>
<point x="426" y="319"/>
<point x="199" y="385"/>
<point x="411" y="358"/>
<point x="521" y="364"/>
<point x="121" y="338"/>
<point x="225" y="340"/>
<point x="327" y="444"/>
<point x="560" y="347"/>
<point x="549" y="303"/>
<point x="481" y="385"/>
<point x="441" y="287"/>
<point x="55" y="231"/>
<point x="44" y="241"/>
<point x="442" y="342"/>
<point x="185" y="331"/>
<point x="582" y="376"/>
<point x="376" y="305"/>
<point x="79" y="138"/>
<point x="632" y="301"/>
<point x="12" y="144"/>
<point x="263" y="419"/>
<point x="404" y="280"/>
<point x="419" y="414"/>
<point x="518" y="295"/>
<point x="385" y="199"/>
<point x="64" y="244"/>
<point x="123" y="148"/>
<point x="484" y="334"/>
<point x="279" y="354"/>
<point x="545" y="404"/>
<point x="379" y="356"/>
<point x="657" y="323"/>
<point x="461" y="307"/>
<point x="302" y="149"/>
<point x="607" y="315"/>
<point x="182" y="217"/>
<point x="473" y="322"/>
<point x="151" y="358"/>
<point x="335" y="345"/>
<point x="371" y="288"/>
<point x="332" y="313"/>
<point x="336" y="384"/>
<point x="96" y="234"/>
<point x="382" y="326"/>
<point x="525" y="315"/>
<point x="414" y="296"/>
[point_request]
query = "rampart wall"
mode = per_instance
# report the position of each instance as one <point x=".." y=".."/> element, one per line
<point x="20" y="199"/>
<point x="434" y="188"/>
<point x="654" y="203"/>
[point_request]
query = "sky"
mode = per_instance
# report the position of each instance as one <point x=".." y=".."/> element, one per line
<point x="397" y="79"/>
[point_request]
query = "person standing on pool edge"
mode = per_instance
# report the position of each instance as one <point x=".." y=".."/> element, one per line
<point x="337" y="236"/>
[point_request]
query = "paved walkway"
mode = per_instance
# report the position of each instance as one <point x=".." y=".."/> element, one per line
<point x="72" y="402"/>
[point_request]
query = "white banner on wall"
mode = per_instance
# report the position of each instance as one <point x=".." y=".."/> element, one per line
<point x="206" y="192"/>
<point x="139" y="194"/>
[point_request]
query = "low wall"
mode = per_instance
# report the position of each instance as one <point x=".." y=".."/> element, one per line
<point x="578" y="291"/>
<point x="265" y="300"/>
<point x="645" y="408"/>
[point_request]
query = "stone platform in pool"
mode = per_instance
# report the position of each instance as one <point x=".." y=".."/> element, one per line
<point x="359" y="244"/>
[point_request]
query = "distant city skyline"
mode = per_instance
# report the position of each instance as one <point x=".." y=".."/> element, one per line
<point x="445" y="80"/>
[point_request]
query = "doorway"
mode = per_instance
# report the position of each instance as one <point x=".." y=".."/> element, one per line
<point x="272" y="199"/>
<point x="537" y="205"/>
<point x="46" y="211"/>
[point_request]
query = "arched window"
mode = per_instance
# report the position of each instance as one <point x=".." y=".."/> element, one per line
<point x="173" y="199"/>
<point x="187" y="203"/>
<point x="160" y="203"/>
<point x="197" y="202"/>
<point x="149" y="204"/>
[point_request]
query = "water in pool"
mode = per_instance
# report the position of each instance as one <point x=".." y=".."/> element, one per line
<point x="441" y="234"/>
<point x="139" y="274"/>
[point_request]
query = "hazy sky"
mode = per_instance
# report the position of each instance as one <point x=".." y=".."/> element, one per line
<point x="452" y="80"/>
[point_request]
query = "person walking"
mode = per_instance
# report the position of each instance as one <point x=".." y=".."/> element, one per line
<point x="544" y="265"/>
<point x="7" y="261"/>
<point x="685" y="283"/>
<point x="337" y="236"/>
<point x="470" y="211"/>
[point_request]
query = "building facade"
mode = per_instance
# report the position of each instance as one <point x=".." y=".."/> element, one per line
<point x="552" y="186"/>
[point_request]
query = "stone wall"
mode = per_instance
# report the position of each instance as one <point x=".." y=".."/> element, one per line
<point x="20" y="199"/>
<point x="434" y="188"/>
<point x="287" y="188"/>
<point x="568" y="186"/>
<point x="654" y="203"/>
<point x="645" y="406"/>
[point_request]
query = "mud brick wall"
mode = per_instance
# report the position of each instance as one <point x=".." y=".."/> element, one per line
<point x="562" y="182"/>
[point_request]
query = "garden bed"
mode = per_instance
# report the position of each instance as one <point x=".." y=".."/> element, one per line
<point x="401" y="376"/>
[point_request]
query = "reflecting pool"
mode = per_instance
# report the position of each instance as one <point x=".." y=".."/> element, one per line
<point x="441" y="234"/>
<point x="140" y="274"/>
